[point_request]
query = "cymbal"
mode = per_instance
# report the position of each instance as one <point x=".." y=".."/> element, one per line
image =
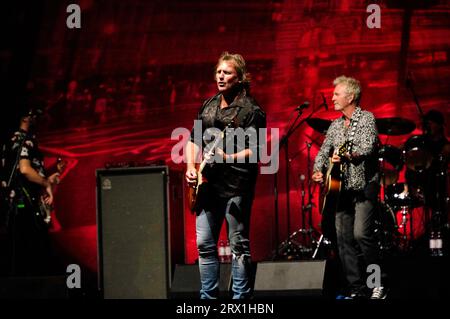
<point x="395" y="126"/>
<point x="320" y="125"/>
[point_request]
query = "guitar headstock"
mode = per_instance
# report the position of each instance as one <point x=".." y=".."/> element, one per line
<point x="60" y="165"/>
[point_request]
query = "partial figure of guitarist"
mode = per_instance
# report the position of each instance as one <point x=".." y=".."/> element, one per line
<point x="353" y="198"/>
<point x="228" y="174"/>
<point x="27" y="189"/>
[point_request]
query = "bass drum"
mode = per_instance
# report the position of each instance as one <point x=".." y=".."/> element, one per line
<point x="386" y="229"/>
<point x="409" y="215"/>
<point x="417" y="155"/>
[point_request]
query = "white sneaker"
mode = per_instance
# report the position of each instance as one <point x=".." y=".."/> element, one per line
<point x="379" y="293"/>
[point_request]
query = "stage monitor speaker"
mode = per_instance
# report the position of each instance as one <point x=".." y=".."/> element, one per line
<point x="186" y="281"/>
<point x="289" y="278"/>
<point x="140" y="237"/>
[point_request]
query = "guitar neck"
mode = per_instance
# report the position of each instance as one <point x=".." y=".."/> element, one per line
<point x="211" y="151"/>
<point x="202" y="165"/>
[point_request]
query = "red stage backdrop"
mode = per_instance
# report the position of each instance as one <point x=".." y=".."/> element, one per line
<point x="116" y="88"/>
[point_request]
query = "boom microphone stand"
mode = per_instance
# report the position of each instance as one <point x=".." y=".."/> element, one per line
<point x="307" y="230"/>
<point x="308" y="208"/>
<point x="284" y="142"/>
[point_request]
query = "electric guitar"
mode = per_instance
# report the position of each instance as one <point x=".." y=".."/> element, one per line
<point x="333" y="183"/>
<point x="194" y="189"/>
<point x="44" y="208"/>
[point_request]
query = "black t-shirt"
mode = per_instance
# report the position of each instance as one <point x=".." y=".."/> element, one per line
<point x="231" y="179"/>
<point x="22" y="145"/>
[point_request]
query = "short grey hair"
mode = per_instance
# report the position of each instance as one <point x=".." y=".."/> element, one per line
<point x="352" y="86"/>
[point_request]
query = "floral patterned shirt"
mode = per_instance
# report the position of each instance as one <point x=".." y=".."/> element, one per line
<point x="363" y="168"/>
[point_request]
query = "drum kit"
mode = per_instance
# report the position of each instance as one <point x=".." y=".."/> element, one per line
<point x="398" y="202"/>
<point x="402" y="205"/>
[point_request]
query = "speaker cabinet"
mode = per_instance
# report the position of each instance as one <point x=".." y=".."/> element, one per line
<point x="291" y="278"/>
<point x="140" y="234"/>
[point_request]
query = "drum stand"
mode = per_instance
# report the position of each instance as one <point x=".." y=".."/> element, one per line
<point x="406" y="244"/>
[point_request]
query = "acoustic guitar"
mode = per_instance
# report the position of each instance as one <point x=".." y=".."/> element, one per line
<point x="333" y="183"/>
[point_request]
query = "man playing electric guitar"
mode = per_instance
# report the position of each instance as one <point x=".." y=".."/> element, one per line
<point x="231" y="178"/>
<point x="24" y="177"/>
<point x="357" y="203"/>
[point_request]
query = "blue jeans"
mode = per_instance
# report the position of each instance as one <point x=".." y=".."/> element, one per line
<point x="236" y="211"/>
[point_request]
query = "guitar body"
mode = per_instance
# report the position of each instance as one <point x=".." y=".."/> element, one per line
<point x="332" y="189"/>
<point x="32" y="200"/>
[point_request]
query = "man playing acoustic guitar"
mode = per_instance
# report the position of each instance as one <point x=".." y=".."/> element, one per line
<point x="357" y="201"/>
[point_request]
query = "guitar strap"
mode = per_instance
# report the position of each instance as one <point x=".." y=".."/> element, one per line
<point x="242" y="114"/>
<point x="243" y="111"/>
<point x="13" y="172"/>
<point x="240" y="117"/>
<point x="353" y="125"/>
<point x="351" y="133"/>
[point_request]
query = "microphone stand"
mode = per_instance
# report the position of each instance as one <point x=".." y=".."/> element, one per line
<point x="285" y="142"/>
<point x="310" y="204"/>
<point x="307" y="233"/>
<point x="303" y="208"/>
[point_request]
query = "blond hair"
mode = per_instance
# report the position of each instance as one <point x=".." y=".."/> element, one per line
<point x="239" y="64"/>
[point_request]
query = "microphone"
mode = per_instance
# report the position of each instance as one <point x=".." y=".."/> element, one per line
<point x="324" y="103"/>
<point x="303" y="106"/>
